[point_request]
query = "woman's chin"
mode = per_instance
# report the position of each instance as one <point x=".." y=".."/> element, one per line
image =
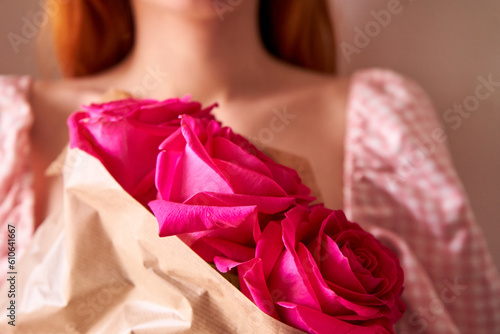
<point x="199" y="9"/>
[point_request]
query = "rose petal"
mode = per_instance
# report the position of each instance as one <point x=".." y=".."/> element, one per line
<point x="193" y="172"/>
<point x="265" y="204"/>
<point x="364" y="276"/>
<point x="176" y="218"/>
<point x="166" y="110"/>
<point x="248" y="182"/>
<point x="336" y="268"/>
<point x="225" y="150"/>
<point x="314" y="321"/>
<point x="223" y="264"/>
<point x="290" y="279"/>
<point x="145" y="191"/>
<point x="253" y="285"/>
<point x="269" y="247"/>
<point x="330" y="302"/>
<point x="231" y="250"/>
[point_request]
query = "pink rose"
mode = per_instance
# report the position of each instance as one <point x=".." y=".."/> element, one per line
<point x="124" y="135"/>
<point x="320" y="273"/>
<point x="218" y="191"/>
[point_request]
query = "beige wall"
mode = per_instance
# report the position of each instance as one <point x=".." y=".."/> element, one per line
<point x="18" y="57"/>
<point x="444" y="44"/>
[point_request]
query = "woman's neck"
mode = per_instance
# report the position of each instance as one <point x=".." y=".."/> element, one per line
<point x="212" y="57"/>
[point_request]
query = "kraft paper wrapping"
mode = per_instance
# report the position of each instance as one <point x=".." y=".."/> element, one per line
<point x="97" y="265"/>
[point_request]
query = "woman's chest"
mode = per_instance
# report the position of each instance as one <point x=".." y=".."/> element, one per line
<point x="305" y="136"/>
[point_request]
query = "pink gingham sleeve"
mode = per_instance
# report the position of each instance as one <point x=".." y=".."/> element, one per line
<point x="16" y="188"/>
<point x="400" y="183"/>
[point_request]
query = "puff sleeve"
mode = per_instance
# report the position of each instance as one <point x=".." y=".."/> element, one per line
<point x="16" y="188"/>
<point x="400" y="183"/>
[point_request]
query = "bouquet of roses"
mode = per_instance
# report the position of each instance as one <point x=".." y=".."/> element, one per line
<point x="303" y="264"/>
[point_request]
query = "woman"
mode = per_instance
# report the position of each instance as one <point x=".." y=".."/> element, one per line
<point x="372" y="141"/>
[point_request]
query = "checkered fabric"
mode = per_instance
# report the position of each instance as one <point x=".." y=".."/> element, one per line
<point x="16" y="188"/>
<point x="400" y="184"/>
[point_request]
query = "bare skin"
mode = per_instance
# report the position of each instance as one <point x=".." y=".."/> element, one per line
<point x="213" y="61"/>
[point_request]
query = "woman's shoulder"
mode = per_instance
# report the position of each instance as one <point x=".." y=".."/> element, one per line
<point x="392" y="108"/>
<point x="66" y="93"/>
<point x="53" y="100"/>
<point x="375" y="85"/>
<point x="390" y="115"/>
<point x="14" y="93"/>
<point x="381" y="76"/>
<point x="15" y="112"/>
<point x="12" y="81"/>
<point x="26" y="91"/>
<point x="376" y="99"/>
<point x="395" y="142"/>
<point x="386" y="87"/>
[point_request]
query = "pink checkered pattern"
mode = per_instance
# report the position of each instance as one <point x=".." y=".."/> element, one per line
<point x="399" y="183"/>
<point x="16" y="189"/>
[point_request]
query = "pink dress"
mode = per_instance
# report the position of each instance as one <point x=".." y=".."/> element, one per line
<point x="399" y="183"/>
<point x="16" y="187"/>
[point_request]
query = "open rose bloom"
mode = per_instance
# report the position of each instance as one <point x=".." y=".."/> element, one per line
<point x="306" y="266"/>
<point x="318" y="272"/>
<point x="124" y="135"/>
<point x="217" y="190"/>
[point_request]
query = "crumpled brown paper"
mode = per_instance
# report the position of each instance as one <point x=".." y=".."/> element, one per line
<point x="98" y="266"/>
